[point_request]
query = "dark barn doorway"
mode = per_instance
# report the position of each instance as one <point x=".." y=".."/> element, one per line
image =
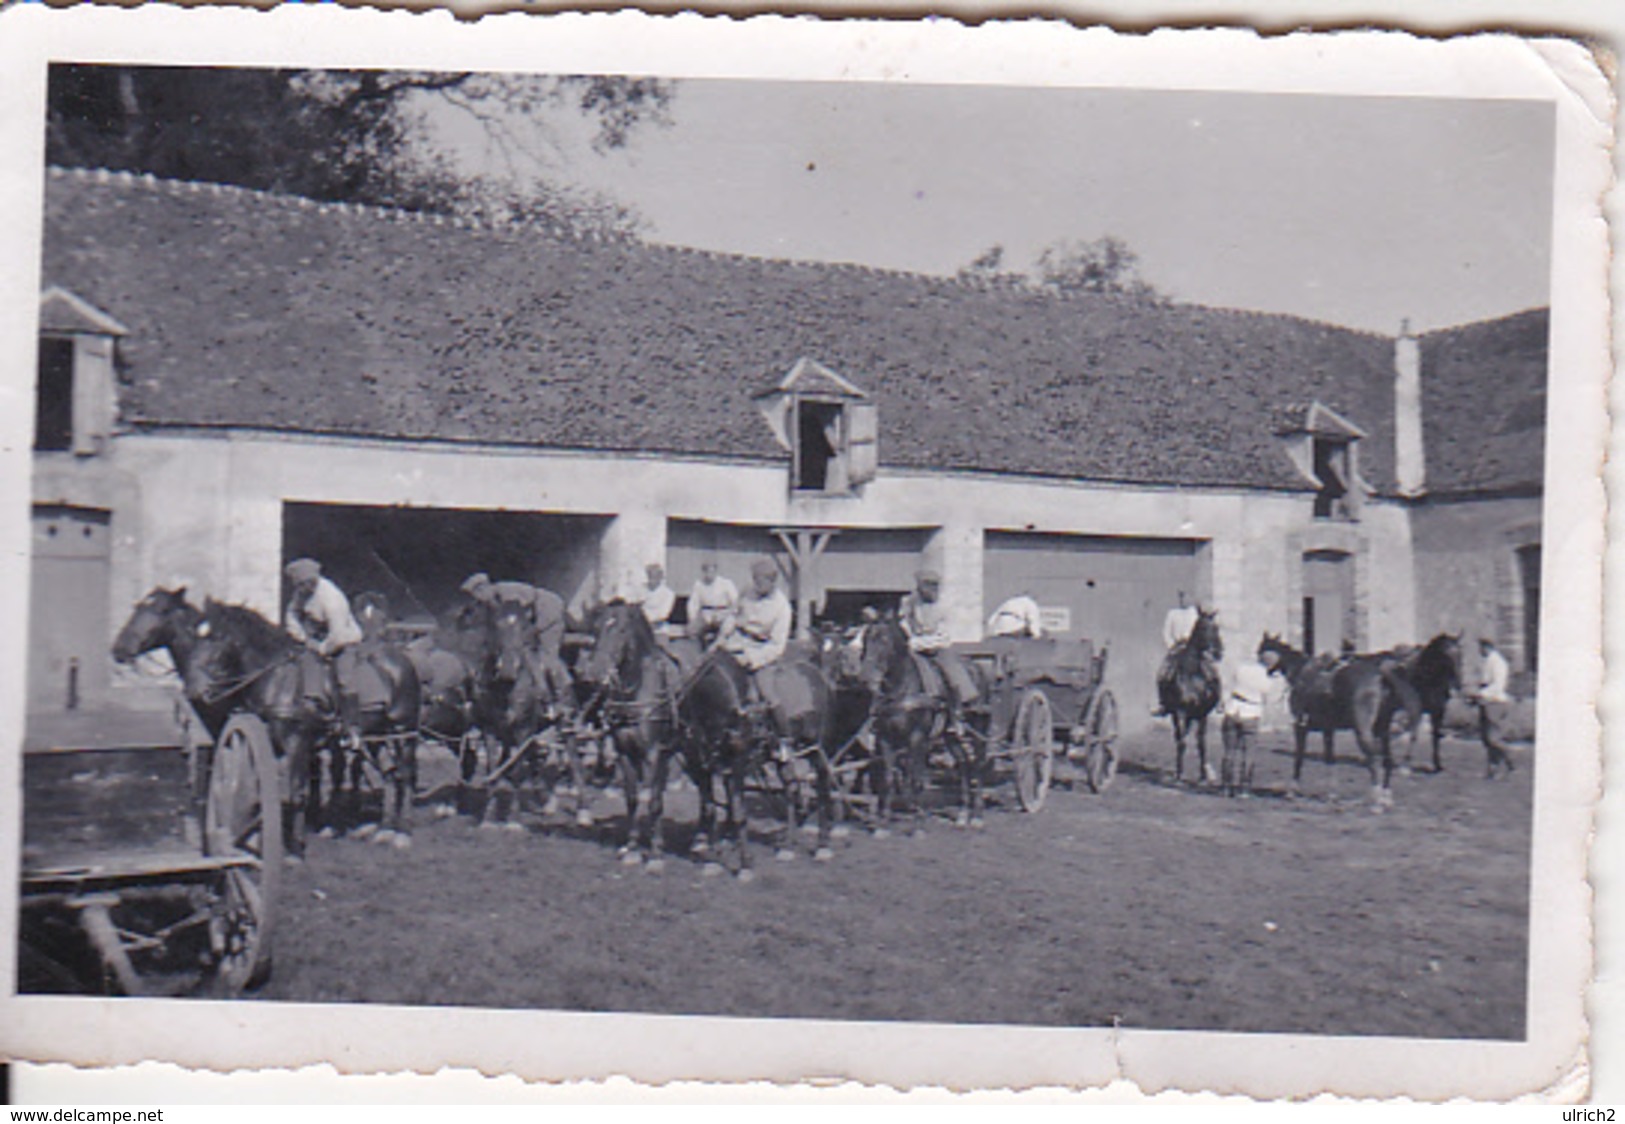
<point x="418" y="557"/>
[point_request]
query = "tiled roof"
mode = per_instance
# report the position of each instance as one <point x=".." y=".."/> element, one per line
<point x="263" y="311"/>
<point x="1484" y="405"/>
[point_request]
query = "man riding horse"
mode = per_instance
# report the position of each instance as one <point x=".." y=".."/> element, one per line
<point x="318" y="616"/>
<point x="757" y="635"/>
<point x="924" y="619"/>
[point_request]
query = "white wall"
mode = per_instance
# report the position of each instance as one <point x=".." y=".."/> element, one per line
<point x="210" y="505"/>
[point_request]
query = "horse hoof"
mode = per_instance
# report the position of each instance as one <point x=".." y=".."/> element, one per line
<point x="711" y="870"/>
<point x="823" y="855"/>
<point x="977" y="823"/>
<point x="489" y="825"/>
<point x="700" y="846"/>
<point x="365" y="831"/>
<point x="325" y="833"/>
<point x="654" y="866"/>
<point x="630" y="858"/>
<point x="551" y="806"/>
<point x="443" y="811"/>
<point x="402" y="841"/>
<point x="383" y="838"/>
<point x="840" y="831"/>
<point x="809" y="829"/>
<point x="584" y="819"/>
<point x="514" y="827"/>
<point x="785" y="855"/>
<point x="746" y="874"/>
<point x="293" y="860"/>
<point x="881" y="833"/>
<point x="962" y="819"/>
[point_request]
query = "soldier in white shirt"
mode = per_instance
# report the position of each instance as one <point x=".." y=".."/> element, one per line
<point x="1177" y="625"/>
<point x="1494" y="704"/>
<point x="318" y="616"/>
<point x="712" y="603"/>
<point x="658" y="599"/>
<point x="1243" y="711"/>
<point x="1019" y="616"/>
<point x="760" y="632"/>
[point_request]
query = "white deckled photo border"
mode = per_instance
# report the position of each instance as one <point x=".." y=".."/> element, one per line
<point x="561" y="1046"/>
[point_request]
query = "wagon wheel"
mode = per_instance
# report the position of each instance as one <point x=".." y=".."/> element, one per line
<point x="1033" y="749"/>
<point x="242" y="819"/>
<point x="1099" y="726"/>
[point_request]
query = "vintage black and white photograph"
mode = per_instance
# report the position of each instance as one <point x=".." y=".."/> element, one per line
<point x="884" y="552"/>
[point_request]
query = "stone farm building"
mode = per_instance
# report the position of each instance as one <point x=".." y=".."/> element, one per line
<point x="228" y="379"/>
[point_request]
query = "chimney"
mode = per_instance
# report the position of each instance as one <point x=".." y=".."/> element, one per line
<point x="1410" y="462"/>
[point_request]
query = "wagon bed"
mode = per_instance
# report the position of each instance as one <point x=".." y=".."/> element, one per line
<point x="1041" y="691"/>
<point x="149" y="865"/>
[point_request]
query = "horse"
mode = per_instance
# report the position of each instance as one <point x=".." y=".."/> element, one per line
<point x="910" y="711"/>
<point x="730" y="732"/>
<point x="1433" y="673"/>
<point x="1360" y="693"/>
<point x="631" y="681"/>
<point x="242" y="661"/>
<point x="1188" y="688"/>
<point x="515" y="704"/>
<point x="164" y="619"/>
<point x="856" y="761"/>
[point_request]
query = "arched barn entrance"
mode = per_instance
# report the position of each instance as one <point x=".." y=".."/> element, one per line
<point x="418" y="557"/>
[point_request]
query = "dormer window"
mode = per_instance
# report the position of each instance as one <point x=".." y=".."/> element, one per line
<point x="1333" y="474"/>
<point x="53" y="412"/>
<point x="74" y="398"/>
<point x="829" y="426"/>
<point x="1325" y="448"/>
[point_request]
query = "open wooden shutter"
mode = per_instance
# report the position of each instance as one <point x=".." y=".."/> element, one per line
<point x="862" y="443"/>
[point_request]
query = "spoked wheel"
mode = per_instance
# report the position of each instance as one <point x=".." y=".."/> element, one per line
<point x="1100" y="741"/>
<point x="1033" y="749"/>
<point x="242" y="821"/>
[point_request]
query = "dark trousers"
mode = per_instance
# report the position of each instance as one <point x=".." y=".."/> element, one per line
<point x="1491" y="717"/>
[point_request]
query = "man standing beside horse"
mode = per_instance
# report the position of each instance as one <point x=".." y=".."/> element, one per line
<point x="1494" y="704"/>
<point x="547" y="621"/>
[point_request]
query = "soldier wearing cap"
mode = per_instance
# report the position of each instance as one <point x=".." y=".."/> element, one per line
<point x="758" y="633"/>
<point x="925" y="620"/>
<point x="318" y="614"/>
<point x="545" y="633"/>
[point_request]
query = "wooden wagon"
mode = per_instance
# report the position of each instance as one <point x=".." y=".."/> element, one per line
<point x="1046" y="716"/>
<point x="150" y="864"/>
<point x="1048" y="712"/>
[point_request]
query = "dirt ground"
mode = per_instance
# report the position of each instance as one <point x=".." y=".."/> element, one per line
<point x="1154" y="905"/>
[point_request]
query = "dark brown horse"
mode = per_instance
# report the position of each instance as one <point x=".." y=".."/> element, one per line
<point x="516" y="706"/>
<point x="910" y="711"/>
<point x="631" y="683"/>
<point x="1433" y="674"/>
<point x="733" y="733"/>
<point x="165" y="620"/>
<point x="1188" y="689"/>
<point x="241" y="661"/>
<point x="1359" y="693"/>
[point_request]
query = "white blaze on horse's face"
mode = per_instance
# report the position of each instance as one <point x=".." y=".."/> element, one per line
<point x="203" y="630"/>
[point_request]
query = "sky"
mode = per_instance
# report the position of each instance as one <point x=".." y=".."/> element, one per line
<point x="1359" y="211"/>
